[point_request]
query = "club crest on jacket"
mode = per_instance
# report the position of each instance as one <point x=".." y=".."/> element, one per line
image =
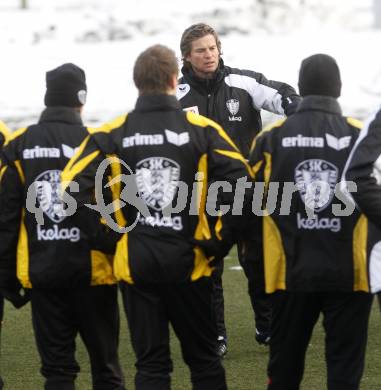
<point x="316" y="180"/>
<point x="47" y="186"/>
<point x="233" y="106"/>
<point x="157" y="180"/>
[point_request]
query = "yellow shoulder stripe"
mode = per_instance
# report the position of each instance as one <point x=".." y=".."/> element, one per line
<point x="68" y="175"/>
<point x="199" y="120"/>
<point x="16" y="134"/>
<point x="73" y="160"/>
<point x="109" y="126"/>
<point x="256" y="167"/>
<point x="268" y="128"/>
<point x="4" y="131"/>
<point x="2" y="171"/>
<point x="236" y="156"/>
<point x="20" y="171"/>
<point x="202" y="121"/>
<point x="355" y="122"/>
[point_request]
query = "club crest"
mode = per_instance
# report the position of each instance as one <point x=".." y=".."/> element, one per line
<point x="47" y="186"/>
<point x="233" y="106"/>
<point x="316" y="180"/>
<point x="157" y="180"/>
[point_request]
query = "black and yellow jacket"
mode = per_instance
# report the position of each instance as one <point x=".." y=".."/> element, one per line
<point x="170" y="153"/>
<point x="4" y="133"/>
<point x="307" y="244"/>
<point x="45" y="248"/>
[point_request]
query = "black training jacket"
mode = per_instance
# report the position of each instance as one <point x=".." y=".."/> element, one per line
<point x="364" y="169"/>
<point x="51" y="251"/>
<point x="308" y="245"/>
<point x="234" y="99"/>
<point x="163" y="147"/>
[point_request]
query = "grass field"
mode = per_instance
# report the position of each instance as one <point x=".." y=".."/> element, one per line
<point x="245" y="362"/>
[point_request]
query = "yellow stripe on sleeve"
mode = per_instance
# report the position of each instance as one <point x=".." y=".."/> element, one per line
<point x="109" y="126"/>
<point x="236" y="156"/>
<point x="68" y="175"/>
<point x="355" y="122"/>
<point x="2" y="171"/>
<point x="202" y="121"/>
<point x="20" y="171"/>
<point x="4" y="131"/>
<point x="15" y="134"/>
<point x="267" y="129"/>
<point x="77" y="154"/>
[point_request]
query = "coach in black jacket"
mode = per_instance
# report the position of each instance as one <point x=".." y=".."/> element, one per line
<point x="70" y="279"/>
<point x="165" y="277"/>
<point x="314" y="241"/>
<point x="234" y="99"/>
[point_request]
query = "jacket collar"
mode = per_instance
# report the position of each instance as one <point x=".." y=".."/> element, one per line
<point x="320" y="103"/>
<point x="61" y="114"/>
<point x="205" y="85"/>
<point x="161" y="102"/>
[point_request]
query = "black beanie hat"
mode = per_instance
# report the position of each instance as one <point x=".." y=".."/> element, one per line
<point x="319" y="75"/>
<point x="66" y="86"/>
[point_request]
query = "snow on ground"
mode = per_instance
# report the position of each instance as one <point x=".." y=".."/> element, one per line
<point x="105" y="37"/>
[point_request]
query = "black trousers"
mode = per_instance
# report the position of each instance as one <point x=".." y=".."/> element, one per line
<point x="58" y="315"/>
<point x="1" y="324"/>
<point x="260" y="301"/>
<point x="345" y="321"/>
<point x="188" y="308"/>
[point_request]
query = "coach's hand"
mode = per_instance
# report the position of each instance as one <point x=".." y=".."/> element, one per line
<point x="212" y="248"/>
<point x="14" y="296"/>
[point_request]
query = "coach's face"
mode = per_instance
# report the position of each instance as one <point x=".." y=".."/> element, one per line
<point x="204" y="56"/>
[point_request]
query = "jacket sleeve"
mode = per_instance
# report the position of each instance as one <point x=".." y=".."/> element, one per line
<point x="227" y="164"/>
<point x="11" y="205"/>
<point x="259" y="159"/>
<point x="274" y="96"/>
<point x="4" y="133"/>
<point x="364" y="169"/>
<point x="226" y="161"/>
<point x="82" y="172"/>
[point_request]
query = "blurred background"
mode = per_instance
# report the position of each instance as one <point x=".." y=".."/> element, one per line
<point x="104" y="37"/>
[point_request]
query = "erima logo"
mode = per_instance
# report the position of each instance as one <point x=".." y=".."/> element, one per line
<point x="338" y="143"/>
<point x="68" y="151"/>
<point x="56" y="234"/>
<point x="332" y="224"/>
<point x="177" y="139"/>
<point x="156" y="139"/>
<point x="38" y="152"/>
<point x="140" y="140"/>
<point x="303" y="142"/>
